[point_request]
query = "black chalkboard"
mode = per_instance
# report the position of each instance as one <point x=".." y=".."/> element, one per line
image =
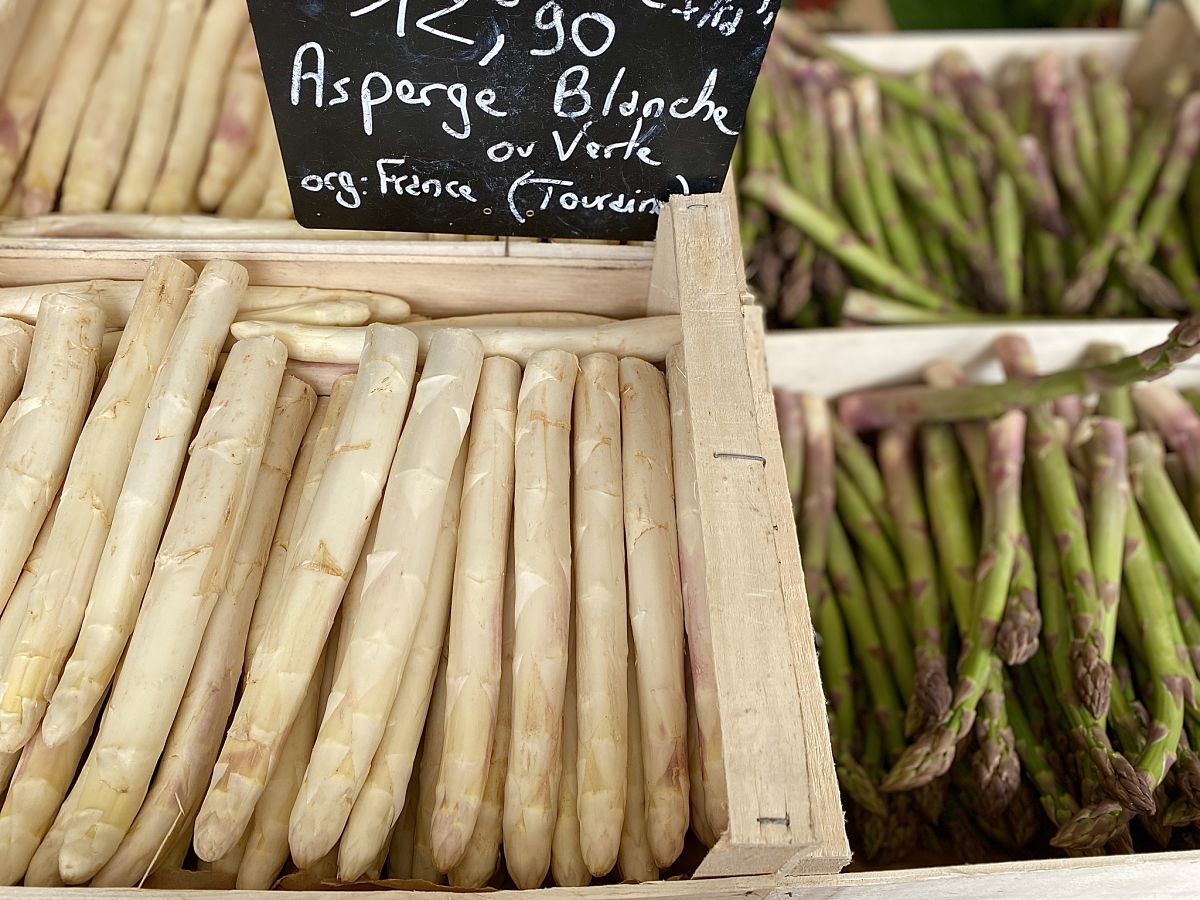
<point x="569" y="118"/>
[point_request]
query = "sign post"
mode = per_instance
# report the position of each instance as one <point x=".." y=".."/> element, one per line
<point x="567" y="118"/>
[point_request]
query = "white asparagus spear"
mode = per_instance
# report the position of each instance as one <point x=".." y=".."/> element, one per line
<point x="378" y="805"/>
<point x="190" y="573"/>
<point x="246" y="195"/>
<point x="400" y="849"/>
<point x="43" y="424"/>
<point x="655" y="603"/>
<point x="89" y="501"/>
<point x="635" y="860"/>
<point x="310" y="469"/>
<point x="242" y="107"/>
<point x="43" y="868"/>
<point x="324" y="558"/>
<point x="393" y="597"/>
<point x="567" y="865"/>
<point x="277" y="199"/>
<point x="13" y="617"/>
<point x="230" y="862"/>
<point x="220" y="30"/>
<point x="29" y="80"/>
<point x="116" y="298"/>
<point x="38" y="789"/>
<point x="481" y="859"/>
<point x="695" y="596"/>
<point x="91" y="37"/>
<point x="353" y="600"/>
<point x="108" y="121"/>
<point x="696" y="801"/>
<point x="423" y="866"/>
<point x="648" y="339"/>
<point x="14" y="19"/>
<point x="159" y="104"/>
<point x="324" y="312"/>
<point x="266" y="836"/>
<point x="474" y="661"/>
<point x="601" y="618"/>
<point x="157" y="458"/>
<point x="195" y="737"/>
<point x="542" y="555"/>
<point x="16" y="338"/>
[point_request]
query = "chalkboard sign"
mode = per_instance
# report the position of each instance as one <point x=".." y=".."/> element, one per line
<point x="567" y="118"/>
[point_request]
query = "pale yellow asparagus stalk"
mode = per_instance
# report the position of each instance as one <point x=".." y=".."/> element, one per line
<point x="124" y="567"/>
<point x="648" y="339"/>
<point x="567" y="866"/>
<point x="601" y="651"/>
<point x="246" y="194"/>
<point x="16" y="338"/>
<point x="325" y="312"/>
<point x="482" y="855"/>
<point x="195" y="737"/>
<point x="399" y="569"/>
<point x="378" y="806"/>
<point x="13" y="617"/>
<point x="108" y="121"/>
<point x="277" y="199"/>
<point x="695" y="596"/>
<point x="230" y="863"/>
<point x="535" y="319"/>
<point x="655" y="603"/>
<point x="43" y="867"/>
<point x="542" y="556"/>
<point x="400" y="848"/>
<point x="423" y="866"/>
<point x="241" y="109"/>
<point x="302" y="490"/>
<point x="14" y="19"/>
<point x="43" y="424"/>
<point x="190" y="573"/>
<point x="29" y="80"/>
<point x="39" y="786"/>
<point x="220" y="30"/>
<point x="696" y="799"/>
<point x="474" y="661"/>
<point x="117" y="298"/>
<point x="353" y="600"/>
<point x="635" y="860"/>
<point x="88" y="503"/>
<point x="320" y="563"/>
<point x="82" y="56"/>
<point x="159" y="104"/>
<point x="266" y="838"/>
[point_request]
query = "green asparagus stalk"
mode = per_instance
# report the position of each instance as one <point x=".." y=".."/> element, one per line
<point x="933" y="752"/>
<point x="816" y="498"/>
<point x="899" y="89"/>
<point x="963" y="172"/>
<point x="899" y="467"/>
<point x="972" y="436"/>
<point x="1069" y="170"/>
<point x="850" y="173"/>
<point x="789" y="412"/>
<point x="853" y="456"/>
<point x="1057" y="801"/>
<point x="929" y="149"/>
<point x="871" y="309"/>
<point x="1007" y="231"/>
<point x="995" y="765"/>
<point x="1118" y="403"/>
<point x="896" y="227"/>
<point x="791" y="123"/>
<point x="1014" y="86"/>
<point x="1109" y="504"/>
<point x="818" y="149"/>
<point x="880" y="646"/>
<point x="1147" y="159"/>
<point x="882" y="408"/>
<point x="1087" y="140"/>
<point x="1112" y="110"/>
<point x="1176" y="259"/>
<point x="837" y="241"/>
<point x="983" y="107"/>
<point x="950" y="518"/>
<point x="1168" y="413"/>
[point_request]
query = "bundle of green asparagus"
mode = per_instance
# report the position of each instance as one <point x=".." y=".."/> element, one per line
<point x="942" y="196"/>
<point x="395" y="614"/>
<point x="1005" y="580"/>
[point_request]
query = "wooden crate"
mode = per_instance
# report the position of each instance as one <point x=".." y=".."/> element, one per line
<point x="832" y="362"/>
<point x="785" y="814"/>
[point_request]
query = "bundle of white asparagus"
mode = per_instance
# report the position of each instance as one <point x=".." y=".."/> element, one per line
<point x="399" y="598"/>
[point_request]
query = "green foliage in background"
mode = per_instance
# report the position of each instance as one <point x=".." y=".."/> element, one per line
<point x="943" y="14"/>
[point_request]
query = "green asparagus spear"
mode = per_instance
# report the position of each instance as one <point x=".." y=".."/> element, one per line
<point x="1056" y="800"/>
<point x="817" y="500"/>
<point x="1014" y="86"/>
<point x="871" y="309"/>
<point x="995" y="765"/>
<point x="933" y="752"/>
<point x="1109" y="503"/>
<point x="853" y="456"/>
<point x="1087" y="141"/>
<point x="1176" y="259"/>
<point x="838" y="242"/>
<point x="850" y="173"/>
<point x="1007" y="230"/>
<point x="899" y="467"/>
<point x="1067" y="167"/>
<point x="882" y="408"/>
<point x="1165" y="409"/>
<point x="1118" y="403"/>
<point x="964" y="174"/>
<point x="950" y="518"/>
<point x="1111" y="107"/>
<point x="893" y="629"/>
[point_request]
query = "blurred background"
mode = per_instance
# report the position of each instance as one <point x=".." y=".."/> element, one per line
<point x="875" y="15"/>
